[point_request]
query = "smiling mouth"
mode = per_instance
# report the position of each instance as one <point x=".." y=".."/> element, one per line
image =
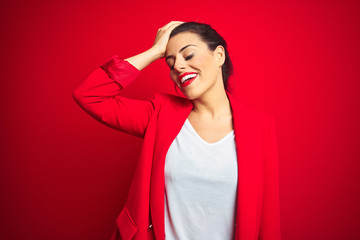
<point x="187" y="77"/>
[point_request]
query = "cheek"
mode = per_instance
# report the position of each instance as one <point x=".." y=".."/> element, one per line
<point x="202" y="64"/>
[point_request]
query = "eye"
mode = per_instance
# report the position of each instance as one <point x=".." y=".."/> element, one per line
<point x="189" y="57"/>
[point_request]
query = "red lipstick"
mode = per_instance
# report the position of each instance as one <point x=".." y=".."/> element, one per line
<point x="186" y="75"/>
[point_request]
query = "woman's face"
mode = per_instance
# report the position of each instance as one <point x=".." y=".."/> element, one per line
<point x="193" y="67"/>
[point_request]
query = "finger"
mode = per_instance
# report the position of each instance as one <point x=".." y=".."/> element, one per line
<point x="171" y="24"/>
<point x="171" y="27"/>
<point x="175" y="23"/>
<point x="166" y="26"/>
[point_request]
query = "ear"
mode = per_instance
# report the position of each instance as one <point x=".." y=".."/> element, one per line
<point x="219" y="54"/>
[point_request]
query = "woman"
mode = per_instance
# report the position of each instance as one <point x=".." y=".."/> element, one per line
<point x="208" y="167"/>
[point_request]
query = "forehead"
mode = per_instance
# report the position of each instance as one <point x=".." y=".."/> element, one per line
<point x="180" y="40"/>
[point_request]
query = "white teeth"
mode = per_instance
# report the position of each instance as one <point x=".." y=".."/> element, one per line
<point x="188" y="77"/>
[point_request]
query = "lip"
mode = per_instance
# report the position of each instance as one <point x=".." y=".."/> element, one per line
<point x="188" y="82"/>
<point x="185" y="74"/>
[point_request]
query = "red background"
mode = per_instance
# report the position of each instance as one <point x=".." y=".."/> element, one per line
<point x="61" y="173"/>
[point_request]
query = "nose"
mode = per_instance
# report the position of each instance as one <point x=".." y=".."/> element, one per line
<point x="179" y="65"/>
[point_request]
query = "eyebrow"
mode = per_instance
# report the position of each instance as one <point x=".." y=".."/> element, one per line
<point x="182" y="49"/>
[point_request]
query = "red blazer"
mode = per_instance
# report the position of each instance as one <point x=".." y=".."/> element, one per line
<point x="158" y="121"/>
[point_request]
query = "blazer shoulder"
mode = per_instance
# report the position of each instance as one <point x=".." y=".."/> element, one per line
<point x="256" y="114"/>
<point x="167" y="99"/>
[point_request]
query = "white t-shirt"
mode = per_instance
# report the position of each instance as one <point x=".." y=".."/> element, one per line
<point x="200" y="187"/>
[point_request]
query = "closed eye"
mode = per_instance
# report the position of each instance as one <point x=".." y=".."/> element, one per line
<point x="189" y="57"/>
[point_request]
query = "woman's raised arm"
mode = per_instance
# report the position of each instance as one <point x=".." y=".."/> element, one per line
<point x="99" y="94"/>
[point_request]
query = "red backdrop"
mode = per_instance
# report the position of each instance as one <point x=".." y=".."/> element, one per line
<point x="61" y="173"/>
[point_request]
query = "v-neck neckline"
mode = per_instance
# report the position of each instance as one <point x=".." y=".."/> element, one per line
<point x="202" y="140"/>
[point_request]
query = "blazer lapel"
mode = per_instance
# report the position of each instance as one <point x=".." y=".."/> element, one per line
<point x="248" y="137"/>
<point x="170" y="122"/>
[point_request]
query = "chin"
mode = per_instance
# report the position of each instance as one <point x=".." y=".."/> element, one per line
<point x="192" y="95"/>
<point x="191" y="98"/>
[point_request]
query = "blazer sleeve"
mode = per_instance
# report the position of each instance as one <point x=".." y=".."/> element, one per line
<point x="100" y="96"/>
<point x="270" y="217"/>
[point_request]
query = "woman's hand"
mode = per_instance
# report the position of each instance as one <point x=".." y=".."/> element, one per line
<point x="158" y="49"/>
<point x="162" y="37"/>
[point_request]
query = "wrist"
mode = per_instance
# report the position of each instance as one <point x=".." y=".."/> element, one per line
<point x="155" y="53"/>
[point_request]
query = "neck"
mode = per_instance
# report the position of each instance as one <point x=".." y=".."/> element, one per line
<point x="214" y="103"/>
